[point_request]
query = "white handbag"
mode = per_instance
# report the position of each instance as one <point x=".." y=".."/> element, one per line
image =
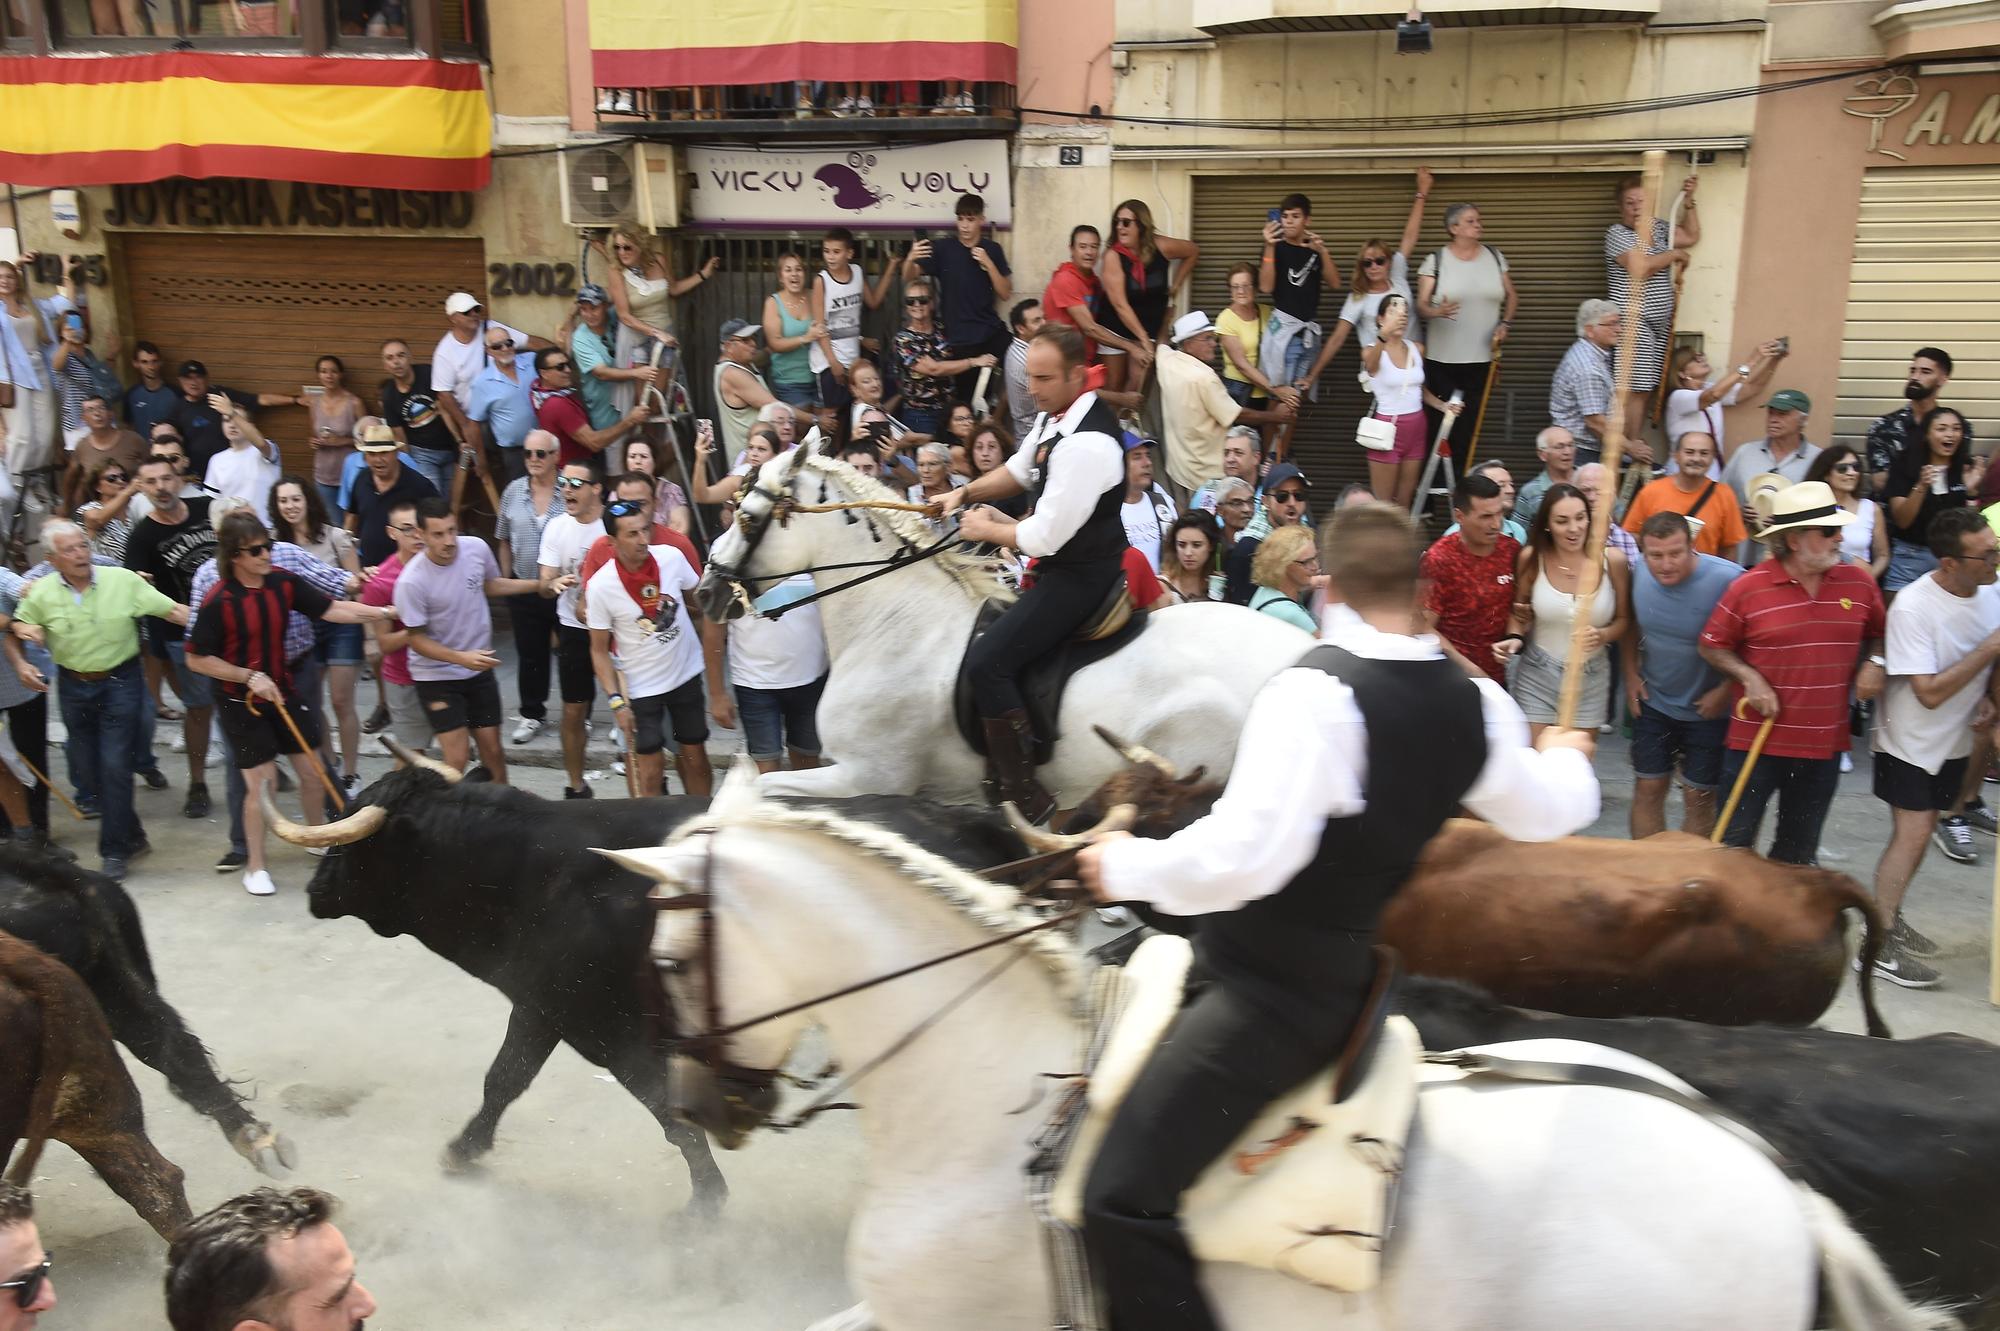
<point x="1375" y="434"/>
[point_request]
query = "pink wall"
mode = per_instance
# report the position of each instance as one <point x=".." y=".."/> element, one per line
<point x="1066" y="55"/>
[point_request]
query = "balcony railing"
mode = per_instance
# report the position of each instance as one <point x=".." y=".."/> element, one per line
<point x="949" y="106"/>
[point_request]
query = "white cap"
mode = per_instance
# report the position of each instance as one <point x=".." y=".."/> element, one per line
<point x="460" y="302"/>
<point x="1192" y="324"/>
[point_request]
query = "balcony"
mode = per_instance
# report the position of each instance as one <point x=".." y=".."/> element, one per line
<point x="1232" y="17"/>
<point x="819" y="110"/>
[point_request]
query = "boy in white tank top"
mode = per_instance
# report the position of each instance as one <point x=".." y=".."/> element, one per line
<point x="839" y="294"/>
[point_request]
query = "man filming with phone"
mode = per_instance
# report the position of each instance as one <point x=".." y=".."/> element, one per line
<point x="972" y="275"/>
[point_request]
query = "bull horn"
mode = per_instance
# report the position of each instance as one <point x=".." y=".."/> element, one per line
<point x="408" y="758"/>
<point x="1120" y="819"/>
<point x="1138" y="754"/>
<point x="363" y="822"/>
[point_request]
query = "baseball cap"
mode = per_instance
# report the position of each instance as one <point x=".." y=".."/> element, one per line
<point x="1789" y="399"/>
<point x="1132" y="439"/>
<point x="740" y="328"/>
<point x="377" y="438"/>
<point x="192" y="367"/>
<point x="1192" y="324"/>
<point x="1284" y="471"/>
<point x="591" y="294"/>
<point x="460" y="302"/>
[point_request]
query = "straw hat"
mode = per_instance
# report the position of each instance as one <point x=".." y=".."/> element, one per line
<point x="1807" y="504"/>
<point x="1763" y="487"/>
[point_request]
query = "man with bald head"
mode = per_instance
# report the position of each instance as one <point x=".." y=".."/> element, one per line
<point x="1708" y="505"/>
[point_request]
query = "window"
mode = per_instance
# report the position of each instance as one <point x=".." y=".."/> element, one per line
<point x="438" y="27"/>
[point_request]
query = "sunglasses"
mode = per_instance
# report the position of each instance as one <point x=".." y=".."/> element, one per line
<point x="261" y="548"/>
<point x="27" y="1286"/>
<point x="115" y="477"/>
<point x="1289" y="496"/>
<point x="1373" y="261"/>
<point x="624" y="508"/>
<point x="405" y="527"/>
<point x="500" y="346"/>
<point x="540" y="452"/>
<point x="557" y="365"/>
<point x="1126" y="221"/>
<point x="1847" y="466"/>
<point x="573" y="482"/>
<point x="916" y="300"/>
<point x="168" y="439"/>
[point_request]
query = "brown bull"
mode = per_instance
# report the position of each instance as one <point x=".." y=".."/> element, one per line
<point x="61" y="1079"/>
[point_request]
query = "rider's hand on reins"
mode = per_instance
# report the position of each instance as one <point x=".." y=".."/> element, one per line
<point x="1090" y="864"/>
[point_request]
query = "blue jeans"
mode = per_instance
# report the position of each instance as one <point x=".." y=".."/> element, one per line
<point x="102" y="718"/>
<point x="1805" y="788"/>
<point x="926" y="420"/>
<point x="433" y="467"/>
<point x="778" y="719"/>
<point x="795" y="395"/>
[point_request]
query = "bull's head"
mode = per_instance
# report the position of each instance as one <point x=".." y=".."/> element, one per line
<point x="340" y="875"/>
<point x="1163" y="801"/>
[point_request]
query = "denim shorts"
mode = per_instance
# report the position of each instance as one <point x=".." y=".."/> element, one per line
<point x="774" y="720"/>
<point x="1907" y="563"/>
<point x="340" y="644"/>
<point x="794" y="395"/>
<point x="194" y="690"/>
<point x="1244" y="393"/>
<point x="1661" y="744"/>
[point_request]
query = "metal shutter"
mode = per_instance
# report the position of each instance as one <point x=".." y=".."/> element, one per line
<point x="260" y="310"/>
<point x="1926" y="273"/>
<point x="1550" y="225"/>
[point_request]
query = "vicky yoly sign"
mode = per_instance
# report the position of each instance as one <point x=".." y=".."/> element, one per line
<point x="876" y="188"/>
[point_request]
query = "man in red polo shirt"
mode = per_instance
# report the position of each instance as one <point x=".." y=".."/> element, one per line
<point x="1072" y="293"/>
<point x="1796" y="633"/>
<point x="1469" y="575"/>
<point x="559" y="409"/>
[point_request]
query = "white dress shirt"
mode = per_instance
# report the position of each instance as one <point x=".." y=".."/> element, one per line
<point x="1303" y="759"/>
<point x="1079" y="474"/>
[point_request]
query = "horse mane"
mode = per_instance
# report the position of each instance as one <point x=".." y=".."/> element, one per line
<point x="992" y="906"/>
<point x="984" y="577"/>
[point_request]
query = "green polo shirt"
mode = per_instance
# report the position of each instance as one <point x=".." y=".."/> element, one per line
<point x="98" y="630"/>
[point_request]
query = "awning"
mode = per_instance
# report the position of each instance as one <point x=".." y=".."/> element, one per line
<point x="107" y="120"/>
<point x="706" y="43"/>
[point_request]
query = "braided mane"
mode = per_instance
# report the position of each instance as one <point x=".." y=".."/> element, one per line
<point x="984" y="577"/>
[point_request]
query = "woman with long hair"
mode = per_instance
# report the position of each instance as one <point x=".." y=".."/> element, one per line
<point x="1924" y="482"/>
<point x="643" y="292"/>
<point x="299" y="515"/>
<point x="30" y="410"/>
<point x="1139" y="288"/>
<point x="1379" y="272"/>
<point x="334" y="411"/>
<point x="958" y="429"/>
<point x="670" y="505"/>
<point x="1395" y="368"/>
<point x="111" y="485"/>
<point x="762" y="447"/>
<point x="992" y="445"/>
<point x="1283" y="573"/>
<point x="1187" y="557"/>
<point x="1546" y="577"/>
<point x="1864" y="542"/>
<point x="1696" y="397"/>
<point x="790" y="330"/>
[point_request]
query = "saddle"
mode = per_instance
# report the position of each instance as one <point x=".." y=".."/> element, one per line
<point x="1113" y="625"/>
<point x="1309" y="1188"/>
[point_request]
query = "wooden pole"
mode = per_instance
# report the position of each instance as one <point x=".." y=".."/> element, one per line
<point x="1659" y="407"/>
<point x="1614" y="447"/>
<point x="1485" y="399"/>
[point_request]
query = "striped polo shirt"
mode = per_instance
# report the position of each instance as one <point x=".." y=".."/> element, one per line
<point x="1806" y="646"/>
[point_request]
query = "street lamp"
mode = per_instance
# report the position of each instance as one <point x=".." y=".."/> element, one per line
<point x="1413" y="34"/>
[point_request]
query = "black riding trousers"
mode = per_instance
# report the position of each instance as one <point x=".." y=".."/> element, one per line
<point x="1047" y="615"/>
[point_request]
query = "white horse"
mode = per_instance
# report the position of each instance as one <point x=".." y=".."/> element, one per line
<point x="1524" y="1209"/>
<point x="885" y="721"/>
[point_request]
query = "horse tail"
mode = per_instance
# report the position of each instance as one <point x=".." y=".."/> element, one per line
<point x="1860" y="1294"/>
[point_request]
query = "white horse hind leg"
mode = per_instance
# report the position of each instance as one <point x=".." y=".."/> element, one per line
<point x="1861" y="1295"/>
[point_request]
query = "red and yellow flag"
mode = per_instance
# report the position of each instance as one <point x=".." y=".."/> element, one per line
<point x="704" y="43"/>
<point x="108" y="120"/>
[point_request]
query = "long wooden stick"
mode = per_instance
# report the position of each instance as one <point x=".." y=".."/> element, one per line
<point x="1658" y="412"/>
<point x="1614" y="448"/>
<point x="1742" y="778"/>
<point x="1485" y="398"/>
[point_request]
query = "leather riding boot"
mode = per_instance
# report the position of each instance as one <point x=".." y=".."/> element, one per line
<point x="1010" y="765"/>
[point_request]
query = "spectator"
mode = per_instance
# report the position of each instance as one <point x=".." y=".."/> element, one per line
<point x="1379" y="272"/>
<point x="1790" y="633"/>
<point x="638" y="604"/>
<point x="958" y="438"/>
<point x="839" y="295"/>
<point x="991" y="447"/>
<point x="560" y="410"/>
<point x="441" y="598"/>
<point x="971" y="273"/>
<point x="500" y="406"/>
<point x="925" y="365"/>
<point x="146" y="403"/>
<point x="238" y="638"/>
<point x="462" y="352"/>
<point x="430" y="437"/>
<point x="73" y="369"/>
<point x="25" y="705"/>
<point x="777" y="666"/>
<point x="1492" y="468"/>
<point x="740" y="391"/>
<point x="632" y="488"/>
<point x="335" y="413"/>
<point x="761" y="447"/>
<point x="1188" y="558"/>
<point x="1287" y="562"/>
<point x="604" y="384"/>
<point x="1239" y="329"/>
<point x="104" y="517"/>
<point x="1197" y="409"/>
<point x="1140" y="285"/>
<point x="22" y="1256"/>
<point x="1075" y="297"/>
<point x="1025" y="318"/>
<point x="265" y="1258"/>
<point x="1698" y="397"/>
<point x="1547" y="577"/>
<point x="644" y="297"/>
<point x="1864" y="542"/>
<point x="301" y="519"/>
<point x="1285" y="494"/>
<point x="1580" y="395"/>
<point x="399" y="689"/>
<point x="1294" y="269"/>
<point x="1147" y="510"/>
<point x="791" y="329"/>
<point x="1357" y="493"/>
<point x="670" y="503"/>
<point x="1943" y="639"/>
<point x="934" y="476"/>
<point x="526" y="508"/>
<point x="1234" y="500"/>
<point x="248" y="468"/>
<point x="1465" y="292"/>
<point x="565" y="540"/>
<point x="387" y="480"/>
<point x="1710" y="507"/>
<point x="1924" y="482"/>
<point x="1590" y="480"/>
<point x="195" y="418"/>
<point x="104" y="440"/>
<point x="85" y="616"/>
<point x="1623" y="262"/>
<point x="1783" y="449"/>
<point x="1556" y="447"/>
<point x="1469" y="576"/>
<point x="1242" y="459"/>
<point x="1898" y="432"/>
<point x="1395" y="368"/>
<point x="1678" y="703"/>
<point x="169" y="547"/>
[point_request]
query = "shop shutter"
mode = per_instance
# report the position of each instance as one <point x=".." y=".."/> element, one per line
<point x="1550" y="225"/>
<point x="1926" y="273"/>
<point x="260" y="310"/>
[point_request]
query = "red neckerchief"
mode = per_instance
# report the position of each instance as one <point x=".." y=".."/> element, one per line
<point x="642" y="584"/>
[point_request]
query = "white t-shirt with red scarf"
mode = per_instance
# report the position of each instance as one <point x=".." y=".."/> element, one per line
<point x="645" y="612"/>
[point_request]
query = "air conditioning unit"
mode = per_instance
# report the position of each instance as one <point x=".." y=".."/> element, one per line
<point x="612" y="183"/>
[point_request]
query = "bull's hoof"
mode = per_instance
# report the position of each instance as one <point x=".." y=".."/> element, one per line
<point x="272" y="1154"/>
<point x="707" y="1202"/>
<point x="461" y="1157"/>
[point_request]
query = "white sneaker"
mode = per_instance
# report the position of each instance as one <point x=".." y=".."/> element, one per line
<point x="864" y="106"/>
<point x="844" y="107"/>
<point x="214" y="755"/>
<point x="622" y="104"/>
<point x="179" y="743"/>
<point x="966" y="105"/>
<point x="1846" y="763"/>
<point x="526" y="729"/>
<point x="605" y="100"/>
<point x="259" y="884"/>
<point x="618" y="767"/>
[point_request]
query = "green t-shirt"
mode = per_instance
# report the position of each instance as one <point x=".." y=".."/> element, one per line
<point x="589" y="351"/>
<point x="97" y="630"/>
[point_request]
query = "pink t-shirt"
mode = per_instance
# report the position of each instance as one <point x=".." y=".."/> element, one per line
<point x="381" y="590"/>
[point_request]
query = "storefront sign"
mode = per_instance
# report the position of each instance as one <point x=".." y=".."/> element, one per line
<point x="1936" y="125"/>
<point x="879" y="188"/>
<point x="252" y="204"/>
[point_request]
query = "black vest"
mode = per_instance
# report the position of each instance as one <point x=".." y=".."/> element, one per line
<point x="1101" y="538"/>
<point x="1426" y="747"/>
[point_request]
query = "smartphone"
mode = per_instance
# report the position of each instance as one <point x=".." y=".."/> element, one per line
<point x="73" y="320"/>
<point x="312" y="390"/>
<point x="1273" y="215"/>
<point x="1784" y="346"/>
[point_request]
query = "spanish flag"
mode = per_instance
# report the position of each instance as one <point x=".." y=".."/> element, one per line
<point x="706" y="43"/>
<point x="109" y="120"/>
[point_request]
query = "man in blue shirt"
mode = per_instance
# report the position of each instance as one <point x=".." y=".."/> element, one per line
<point x="147" y="402"/>
<point x="971" y="274"/>
<point x="498" y="407"/>
<point x="1680" y="706"/>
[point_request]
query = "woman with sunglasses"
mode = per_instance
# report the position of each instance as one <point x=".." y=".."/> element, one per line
<point x="643" y="295"/>
<point x="105" y="516"/>
<point x="925" y="364"/>
<point x="526" y="506"/>
<point x="1378" y="273"/>
<point x="1139" y="289"/>
<point x="1864" y="542"/>
<point x="1924" y="482"/>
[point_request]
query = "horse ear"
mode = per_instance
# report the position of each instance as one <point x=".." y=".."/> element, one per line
<point x="739" y="792"/>
<point x="798" y="461"/>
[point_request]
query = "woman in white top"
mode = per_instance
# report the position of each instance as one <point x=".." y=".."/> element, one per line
<point x="1864" y="542"/>
<point x="1394" y="367"/>
<point x="1696" y="403"/>
<point x="761" y="448"/>
<point x="1378" y="273"/>
<point x="1539" y="627"/>
<point x="1465" y="293"/>
<point x="644" y="298"/>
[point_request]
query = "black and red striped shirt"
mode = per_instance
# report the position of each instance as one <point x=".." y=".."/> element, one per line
<point x="245" y="626"/>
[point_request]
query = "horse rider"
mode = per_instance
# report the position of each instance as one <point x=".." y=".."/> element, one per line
<point x="1348" y="764"/>
<point x="1073" y="466"/>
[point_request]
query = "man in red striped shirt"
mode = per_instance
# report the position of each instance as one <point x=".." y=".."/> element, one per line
<point x="1795" y="633"/>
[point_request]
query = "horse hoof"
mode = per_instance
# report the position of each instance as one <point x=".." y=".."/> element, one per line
<point x="458" y="1158"/>
<point x="275" y="1156"/>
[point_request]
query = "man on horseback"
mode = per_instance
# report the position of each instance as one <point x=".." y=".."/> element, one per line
<point x="1348" y="764"/>
<point x="1073" y="466"/>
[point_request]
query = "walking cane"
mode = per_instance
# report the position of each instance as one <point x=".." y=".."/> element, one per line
<point x="54" y="789"/>
<point x="1485" y="398"/>
<point x="1742" y="777"/>
<point x="312" y="755"/>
